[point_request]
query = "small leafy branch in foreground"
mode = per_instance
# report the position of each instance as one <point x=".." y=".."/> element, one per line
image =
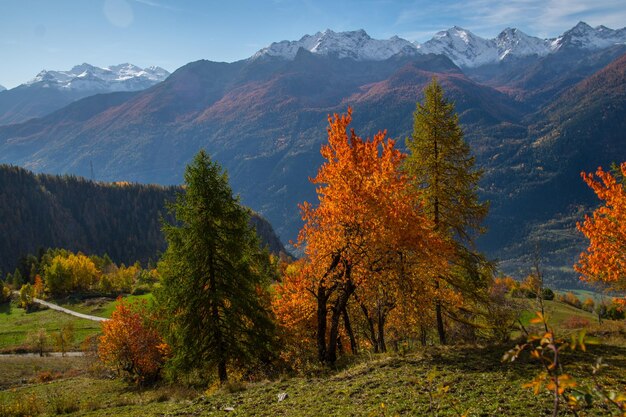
<point x="546" y="348"/>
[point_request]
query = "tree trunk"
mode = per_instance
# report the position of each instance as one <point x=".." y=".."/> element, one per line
<point x="322" y="299"/>
<point x="215" y="316"/>
<point x="381" y="330"/>
<point x="221" y="371"/>
<point x="370" y="325"/>
<point x="346" y="322"/>
<point x="440" y="327"/>
<point x="423" y="335"/>
<point x="346" y="291"/>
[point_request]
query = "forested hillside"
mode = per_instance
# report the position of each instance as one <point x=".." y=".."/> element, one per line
<point x="119" y="219"/>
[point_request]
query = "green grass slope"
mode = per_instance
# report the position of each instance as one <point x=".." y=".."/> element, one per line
<point x="477" y="384"/>
<point x="16" y="325"/>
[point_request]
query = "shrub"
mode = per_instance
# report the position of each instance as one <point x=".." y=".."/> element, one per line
<point x="38" y="341"/>
<point x="589" y="305"/>
<point x="547" y="294"/>
<point x="5" y="292"/>
<point x="570" y="299"/>
<point x="576" y="322"/>
<point x="131" y="345"/>
<point x="27" y="293"/>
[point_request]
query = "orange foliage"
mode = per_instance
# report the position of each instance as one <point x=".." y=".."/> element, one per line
<point x="38" y="286"/>
<point x="367" y="235"/>
<point x="294" y="308"/>
<point x="130" y="344"/>
<point x="506" y="282"/>
<point x="366" y="205"/>
<point x="605" y="258"/>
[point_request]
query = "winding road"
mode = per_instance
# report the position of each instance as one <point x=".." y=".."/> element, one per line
<point x="65" y="310"/>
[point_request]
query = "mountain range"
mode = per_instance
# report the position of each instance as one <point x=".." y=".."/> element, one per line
<point x="464" y="48"/>
<point x="52" y="90"/>
<point x="535" y="112"/>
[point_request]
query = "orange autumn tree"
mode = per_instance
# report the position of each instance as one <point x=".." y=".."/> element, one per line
<point x="604" y="260"/>
<point x="294" y="308"/>
<point x="368" y="218"/>
<point x="130" y="344"/>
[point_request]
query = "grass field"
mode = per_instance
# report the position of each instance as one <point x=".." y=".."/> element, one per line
<point x="16" y="324"/>
<point x="377" y="385"/>
<point x="442" y="381"/>
<point x="101" y="307"/>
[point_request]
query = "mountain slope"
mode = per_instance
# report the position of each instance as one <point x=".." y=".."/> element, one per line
<point x="582" y="129"/>
<point x="120" y="219"/>
<point x="264" y="120"/>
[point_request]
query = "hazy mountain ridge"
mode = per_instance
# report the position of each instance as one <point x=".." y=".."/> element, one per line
<point x="51" y="90"/>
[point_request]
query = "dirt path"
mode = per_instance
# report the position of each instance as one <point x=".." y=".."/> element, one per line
<point x="65" y="310"/>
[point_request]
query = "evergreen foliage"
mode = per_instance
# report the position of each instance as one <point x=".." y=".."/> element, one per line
<point x="441" y="165"/>
<point x="213" y="277"/>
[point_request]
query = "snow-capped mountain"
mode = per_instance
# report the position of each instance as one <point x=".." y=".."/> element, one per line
<point x="514" y="42"/>
<point x="585" y="37"/>
<point x="2" y="88"/>
<point x="464" y="48"/>
<point x="356" y="44"/>
<point x="85" y="77"/>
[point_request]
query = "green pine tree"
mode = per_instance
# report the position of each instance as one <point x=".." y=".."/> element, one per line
<point x="442" y="166"/>
<point x="17" y="279"/>
<point x="213" y="277"/>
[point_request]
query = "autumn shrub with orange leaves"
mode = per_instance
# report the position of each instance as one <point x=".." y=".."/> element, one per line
<point x="604" y="260"/>
<point x="131" y="345"/>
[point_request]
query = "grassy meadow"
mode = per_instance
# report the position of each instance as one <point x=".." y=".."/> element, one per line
<point x="436" y="380"/>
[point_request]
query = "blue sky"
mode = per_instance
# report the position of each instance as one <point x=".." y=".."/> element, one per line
<point x="57" y="34"/>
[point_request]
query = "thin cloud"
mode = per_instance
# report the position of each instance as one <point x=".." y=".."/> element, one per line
<point x="543" y="18"/>
<point x="152" y="3"/>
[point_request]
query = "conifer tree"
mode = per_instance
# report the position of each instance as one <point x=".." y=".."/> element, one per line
<point x="17" y="279"/>
<point x="440" y="163"/>
<point x="213" y="277"/>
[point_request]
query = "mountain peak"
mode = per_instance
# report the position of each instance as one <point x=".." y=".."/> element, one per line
<point x="462" y="47"/>
<point x="581" y="26"/>
<point x="583" y="36"/>
<point x="355" y="44"/>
